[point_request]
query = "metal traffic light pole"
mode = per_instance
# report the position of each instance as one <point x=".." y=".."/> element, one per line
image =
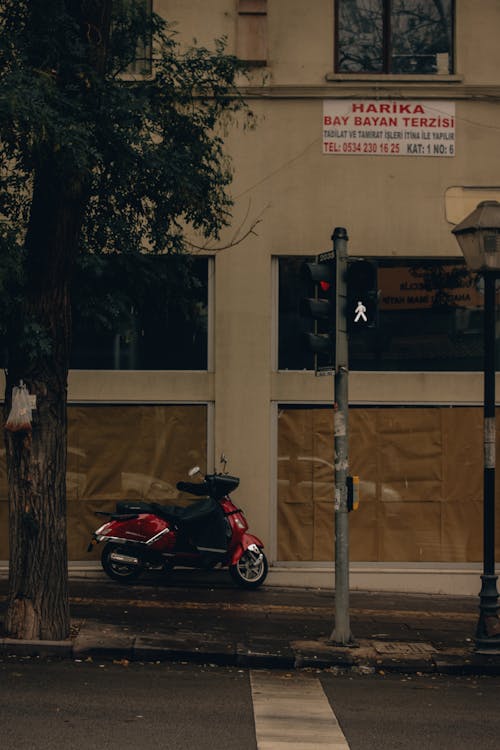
<point x="342" y="630"/>
<point x="329" y="272"/>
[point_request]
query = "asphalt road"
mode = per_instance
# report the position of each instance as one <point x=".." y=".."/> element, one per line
<point x="416" y="713"/>
<point x="77" y="705"/>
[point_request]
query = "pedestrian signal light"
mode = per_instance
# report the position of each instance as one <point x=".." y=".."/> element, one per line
<point x="362" y="294"/>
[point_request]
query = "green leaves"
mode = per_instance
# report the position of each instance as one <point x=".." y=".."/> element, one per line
<point x="152" y="147"/>
<point x="148" y="149"/>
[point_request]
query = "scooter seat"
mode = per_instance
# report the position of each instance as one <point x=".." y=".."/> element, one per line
<point x="194" y="488"/>
<point x="168" y="512"/>
<point x="191" y="514"/>
<point x="175" y="513"/>
<point x="117" y="516"/>
<point x="133" y="506"/>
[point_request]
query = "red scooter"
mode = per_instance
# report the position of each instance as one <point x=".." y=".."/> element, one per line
<point x="210" y="532"/>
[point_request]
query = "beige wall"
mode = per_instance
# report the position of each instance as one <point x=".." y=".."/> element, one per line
<point x="478" y="54"/>
<point x="390" y="206"/>
<point x="300" y="36"/>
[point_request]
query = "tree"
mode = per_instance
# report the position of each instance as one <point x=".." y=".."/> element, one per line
<point x="93" y="162"/>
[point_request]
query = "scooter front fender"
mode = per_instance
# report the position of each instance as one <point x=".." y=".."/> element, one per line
<point x="247" y="540"/>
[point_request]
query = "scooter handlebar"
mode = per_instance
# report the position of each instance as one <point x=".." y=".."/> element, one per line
<point x="214" y="485"/>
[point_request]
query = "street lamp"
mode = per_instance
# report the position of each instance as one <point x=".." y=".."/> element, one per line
<point x="479" y="238"/>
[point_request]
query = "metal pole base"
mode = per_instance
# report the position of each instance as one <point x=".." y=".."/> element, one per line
<point x="488" y="627"/>
<point x="346" y="642"/>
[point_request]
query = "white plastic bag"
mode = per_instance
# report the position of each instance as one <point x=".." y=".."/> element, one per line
<point x="19" y="419"/>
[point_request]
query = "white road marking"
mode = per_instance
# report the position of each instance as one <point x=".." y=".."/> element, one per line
<point x="292" y="712"/>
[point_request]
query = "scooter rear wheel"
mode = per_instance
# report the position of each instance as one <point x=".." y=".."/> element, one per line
<point x="119" y="570"/>
<point x="251" y="570"/>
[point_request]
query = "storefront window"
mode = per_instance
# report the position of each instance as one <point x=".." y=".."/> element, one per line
<point x="430" y="318"/>
<point x="158" y="324"/>
<point x="420" y="483"/>
<point x="120" y="452"/>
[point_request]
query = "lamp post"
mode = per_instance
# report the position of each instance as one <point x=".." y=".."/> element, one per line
<point x="479" y="238"/>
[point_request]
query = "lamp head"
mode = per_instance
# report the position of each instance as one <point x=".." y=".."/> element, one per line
<point x="479" y="237"/>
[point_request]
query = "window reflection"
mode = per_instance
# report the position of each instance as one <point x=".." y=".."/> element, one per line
<point x="430" y="318"/>
<point x="155" y="320"/>
<point x="360" y="36"/>
<point x="291" y="324"/>
<point x="394" y="36"/>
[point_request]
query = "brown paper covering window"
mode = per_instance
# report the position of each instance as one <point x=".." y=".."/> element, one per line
<point x="421" y="484"/>
<point x="121" y="452"/>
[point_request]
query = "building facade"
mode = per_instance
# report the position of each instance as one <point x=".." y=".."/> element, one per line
<point x="381" y="117"/>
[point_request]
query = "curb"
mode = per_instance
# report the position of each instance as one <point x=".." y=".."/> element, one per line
<point x="363" y="659"/>
<point x="42" y="649"/>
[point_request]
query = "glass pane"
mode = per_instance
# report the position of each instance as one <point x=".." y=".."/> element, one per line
<point x="142" y="64"/>
<point x="292" y="355"/>
<point x="140" y="12"/>
<point x="421" y="36"/>
<point x="360" y="36"/>
<point x="159" y="326"/>
<point x="430" y="318"/>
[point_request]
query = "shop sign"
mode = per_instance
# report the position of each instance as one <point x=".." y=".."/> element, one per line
<point x="374" y="127"/>
<point x="422" y="288"/>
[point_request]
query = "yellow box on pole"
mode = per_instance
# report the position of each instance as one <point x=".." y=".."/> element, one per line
<point x="352" y="493"/>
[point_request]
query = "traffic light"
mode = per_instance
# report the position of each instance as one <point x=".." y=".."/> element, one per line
<point x="320" y="309"/>
<point x="362" y="294"/>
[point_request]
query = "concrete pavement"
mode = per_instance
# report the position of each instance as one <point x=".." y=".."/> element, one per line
<point x="203" y="618"/>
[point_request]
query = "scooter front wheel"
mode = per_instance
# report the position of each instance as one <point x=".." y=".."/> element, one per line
<point x="117" y="563"/>
<point x="251" y="569"/>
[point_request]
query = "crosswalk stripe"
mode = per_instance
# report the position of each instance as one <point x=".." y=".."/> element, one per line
<point x="291" y="711"/>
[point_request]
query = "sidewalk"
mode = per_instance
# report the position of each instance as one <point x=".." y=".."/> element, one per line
<point x="205" y="619"/>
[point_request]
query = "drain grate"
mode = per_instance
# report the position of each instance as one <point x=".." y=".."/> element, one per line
<point x="397" y="648"/>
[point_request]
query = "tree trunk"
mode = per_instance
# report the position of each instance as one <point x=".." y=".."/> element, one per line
<point x="38" y="605"/>
<point x="38" y="596"/>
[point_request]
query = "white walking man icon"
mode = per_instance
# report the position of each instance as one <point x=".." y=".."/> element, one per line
<point x="360" y="313"/>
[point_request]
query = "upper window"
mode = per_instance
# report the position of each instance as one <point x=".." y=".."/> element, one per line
<point x="142" y="64"/>
<point x="132" y="18"/>
<point x="394" y="36"/>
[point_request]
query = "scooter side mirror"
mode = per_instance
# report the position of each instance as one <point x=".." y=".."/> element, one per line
<point x="194" y="471"/>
